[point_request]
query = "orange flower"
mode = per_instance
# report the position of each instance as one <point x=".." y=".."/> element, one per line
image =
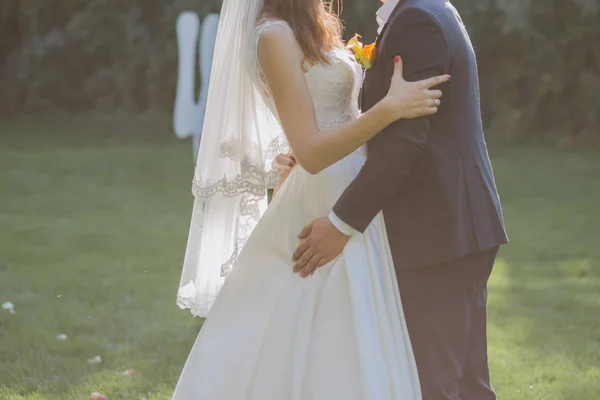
<point x="364" y="55"/>
<point x="370" y="52"/>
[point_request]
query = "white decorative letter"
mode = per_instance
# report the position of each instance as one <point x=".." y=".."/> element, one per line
<point x="189" y="115"/>
<point x="185" y="118"/>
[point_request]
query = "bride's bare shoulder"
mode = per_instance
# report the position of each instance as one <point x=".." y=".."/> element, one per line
<point x="267" y="23"/>
<point x="274" y="32"/>
<point x="277" y="41"/>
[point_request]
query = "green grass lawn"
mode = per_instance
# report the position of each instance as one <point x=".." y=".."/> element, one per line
<point x="93" y="224"/>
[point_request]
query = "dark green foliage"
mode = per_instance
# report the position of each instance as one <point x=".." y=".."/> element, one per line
<point x="539" y="61"/>
<point x="539" y="64"/>
<point x="82" y="55"/>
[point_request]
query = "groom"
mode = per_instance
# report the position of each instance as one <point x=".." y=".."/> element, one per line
<point x="433" y="181"/>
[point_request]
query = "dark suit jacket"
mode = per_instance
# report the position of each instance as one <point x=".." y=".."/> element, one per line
<point x="431" y="176"/>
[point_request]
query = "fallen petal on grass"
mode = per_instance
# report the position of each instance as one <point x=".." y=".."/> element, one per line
<point x="97" y="396"/>
<point x="128" y="372"/>
<point x="8" y="306"/>
<point x="62" y="337"/>
<point x="95" y="360"/>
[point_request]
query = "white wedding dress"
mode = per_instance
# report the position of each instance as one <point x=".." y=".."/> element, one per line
<point x="339" y="334"/>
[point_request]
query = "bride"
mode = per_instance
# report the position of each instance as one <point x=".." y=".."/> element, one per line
<point x="271" y="334"/>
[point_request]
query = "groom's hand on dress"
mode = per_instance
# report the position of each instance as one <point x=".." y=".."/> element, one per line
<point x="321" y="243"/>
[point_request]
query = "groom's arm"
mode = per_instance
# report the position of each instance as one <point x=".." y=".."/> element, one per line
<point x="418" y="39"/>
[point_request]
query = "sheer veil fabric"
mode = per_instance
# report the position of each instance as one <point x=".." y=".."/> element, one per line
<point x="235" y="167"/>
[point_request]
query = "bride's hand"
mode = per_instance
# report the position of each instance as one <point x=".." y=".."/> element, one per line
<point x="285" y="164"/>
<point x="407" y="100"/>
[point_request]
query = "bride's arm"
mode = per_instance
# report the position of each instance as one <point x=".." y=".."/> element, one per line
<point x="281" y="59"/>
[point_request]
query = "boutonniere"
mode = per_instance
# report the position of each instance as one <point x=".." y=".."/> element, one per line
<point x="364" y="55"/>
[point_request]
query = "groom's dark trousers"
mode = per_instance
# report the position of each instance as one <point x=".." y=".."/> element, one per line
<point x="445" y="310"/>
<point x="433" y="180"/>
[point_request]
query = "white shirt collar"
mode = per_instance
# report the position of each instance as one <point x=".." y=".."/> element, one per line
<point x="384" y="12"/>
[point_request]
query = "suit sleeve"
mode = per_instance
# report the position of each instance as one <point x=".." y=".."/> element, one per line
<point x="418" y="39"/>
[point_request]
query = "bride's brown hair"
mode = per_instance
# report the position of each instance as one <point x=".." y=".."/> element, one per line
<point x="316" y="25"/>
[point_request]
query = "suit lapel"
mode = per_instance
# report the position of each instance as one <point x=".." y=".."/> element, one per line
<point x="361" y="91"/>
<point x="377" y="40"/>
<point x="380" y="36"/>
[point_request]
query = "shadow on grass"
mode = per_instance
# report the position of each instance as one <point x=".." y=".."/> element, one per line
<point x="545" y="291"/>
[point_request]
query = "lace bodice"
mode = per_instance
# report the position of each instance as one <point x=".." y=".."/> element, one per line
<point x="334" y="87"/>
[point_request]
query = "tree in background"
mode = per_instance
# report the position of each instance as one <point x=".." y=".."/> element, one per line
<point x="539" y="61"/>
<point x="539" y="64"/>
